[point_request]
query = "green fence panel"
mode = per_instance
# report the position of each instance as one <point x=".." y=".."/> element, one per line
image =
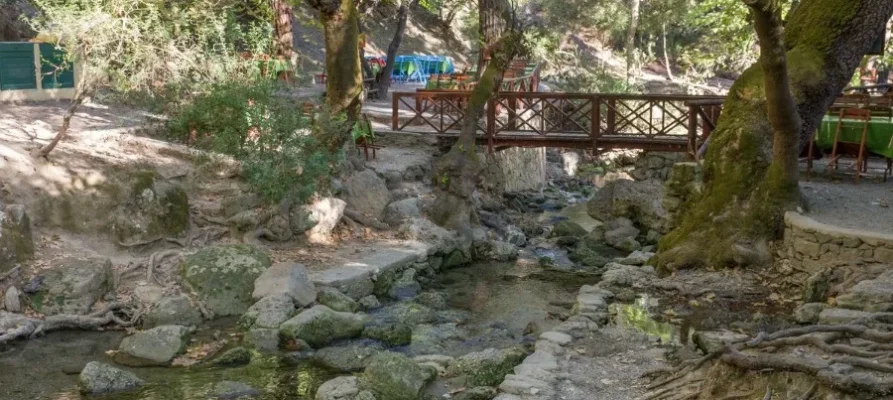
<point x="17" y="66"/>
<point x="54" y="71"/>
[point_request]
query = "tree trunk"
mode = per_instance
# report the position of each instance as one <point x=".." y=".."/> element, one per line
<point x="385" y="83"/>
<point x="663" y="33"/>
<point x="284" y="45"/>
<point x="457" y="174"/>
<point x="344" y="76"/>
<point x="493" y="23"/>
<point x="750" y="171"/>
<point x="631" y="38"/>
<point x="79" y="96"/>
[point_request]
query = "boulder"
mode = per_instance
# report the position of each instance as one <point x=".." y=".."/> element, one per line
<point x="289" y="279"/>
<point x="620" y="275"/>
<point x="636" y="258"/>
<point x="321" y="325"/>
<point x="711" y="341"/>
<point x="263" y="339"/>
<point x="628" y="245"/>
<point x="99" y="378"/>
<point x="223" y="276"/>
<point x="228" y="390"/>
<point x="234" y="357"/>
<point x="16" y="243"/>
<point x="350" y="358"/>
<point x="72" y="285"/>
<point x="12" y="301"/>
<point x="515" y="236"/>
<point x="368" y="303"/>
<point x="559" y="338"/>
<point x="152" y="208"/>
<point x="402" y="210"/>
<point x="817" y="286"/>
<point x="406" y="287"/>
<point x="568" y="228"/>
<point x="477" y="393"/>
<point x="270" y="312"/>
<point x="172" y="310"/>
<point x="619" y="234"/>
<point x="425" y="231"/>
<point x="367" y="193"/>
<point x="396" y="334"/>
<point x="326" y="213"/>
<point x="406" y="312"/>
<point x="488" y="367"/>
<point x="343" y="388"/>
<point x="301" y="220"/>
<point x="639" y="200"/>
<point x="334" y="299"/>
<point x="456" y="259"/>
<point x="495" y="250"/>
<point x="432" y="300"/>
<point x="875" y="295"/>
<point x="808" y="313"/>
<point x="154" y="347"/>
<point x="396" y="377"/>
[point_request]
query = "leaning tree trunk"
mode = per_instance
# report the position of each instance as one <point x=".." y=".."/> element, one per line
<point x="663" y="35"/>
<point x="740" y="210"/>
<point x="457" y="174"/>
<point x="492" y="18"/>
<point x="344" y="76"/>
<point x="284" y="45"/>
<point x="384" y="83"/>
<point x="631" y="38"/>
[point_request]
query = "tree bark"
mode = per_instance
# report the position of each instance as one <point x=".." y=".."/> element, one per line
<point x="282" y="23"/>
<point x="663" y="32"/>
<point x="384" y="83"/>
<point x="79" y="96"/>
<point x="631" y="38"/>
<point x="493" y="22"/>
<point x="344" y="76"/>
<point x="749" y="171"/>
<point x="457" y="174"/>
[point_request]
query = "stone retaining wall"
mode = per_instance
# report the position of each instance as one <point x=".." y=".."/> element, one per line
<point x="809" y="243"/>
<point x="522" y="168"/>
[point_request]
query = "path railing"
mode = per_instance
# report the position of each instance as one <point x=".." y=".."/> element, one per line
<point x="579" y="120"/>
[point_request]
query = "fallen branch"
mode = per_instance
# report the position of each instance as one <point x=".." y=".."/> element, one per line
<point x="32" y="327"/>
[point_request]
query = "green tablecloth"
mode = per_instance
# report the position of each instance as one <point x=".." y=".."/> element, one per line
<point x="880" y="134"/>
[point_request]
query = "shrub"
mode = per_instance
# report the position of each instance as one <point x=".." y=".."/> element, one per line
<point x="281" y="157"/>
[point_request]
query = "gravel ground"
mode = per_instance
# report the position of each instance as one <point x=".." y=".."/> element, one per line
<point x="866" y="206"/>
<point x="609" y="366"/>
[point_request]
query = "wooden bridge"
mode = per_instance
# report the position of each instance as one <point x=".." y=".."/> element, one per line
<point x="675" y="123"/>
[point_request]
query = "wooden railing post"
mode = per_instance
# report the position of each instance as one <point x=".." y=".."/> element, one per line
<point x="596" y="124"/>
<point x="395" y="120"/>
<point x="693" y="131"/>
<point x="491" y="123"/>
<point x="612" y="115"/>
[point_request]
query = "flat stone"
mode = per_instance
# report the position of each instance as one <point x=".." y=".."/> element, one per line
<point x="154" y="347"/>
<point x="355" y="278"/>
<point x="290" y="279"/>
<point x="227" y="390"/>
<point x="560" y="338"/>
<point x="875" y="295"/>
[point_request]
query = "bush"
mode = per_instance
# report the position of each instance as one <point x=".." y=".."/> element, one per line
<point x="281" y="157"/>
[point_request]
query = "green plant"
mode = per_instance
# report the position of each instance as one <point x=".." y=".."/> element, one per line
<point x="278" y="147"/>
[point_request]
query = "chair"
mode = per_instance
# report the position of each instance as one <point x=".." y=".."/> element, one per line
<point x="841" y="147"/>
<point x="368" y="141"/>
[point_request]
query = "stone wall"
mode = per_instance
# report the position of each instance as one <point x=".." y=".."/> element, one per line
<point x="810" y="244"/>
<point x="521" y="168"/>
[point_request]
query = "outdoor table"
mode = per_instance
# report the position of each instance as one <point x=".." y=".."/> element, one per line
<point x="879" y="140"/>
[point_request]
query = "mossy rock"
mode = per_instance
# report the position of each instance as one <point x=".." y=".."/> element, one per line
<point x="72" y="286"/>
<point x="16" y="244"/>
<point x="320" y="325"/>
<point x="223" y="276"/>
<point x="398" y="334"/>
<point x="396" y="377"/>
<point x="149" y="208"/>
<point x="489" y="367"/>
<point x="568" y="228"/>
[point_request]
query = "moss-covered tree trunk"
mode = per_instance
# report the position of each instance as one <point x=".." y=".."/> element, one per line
<point x="745" y="193"/>
<point x="457" y="174"/>
<point x="344" y="76"/>
<point x="284" y="45"/>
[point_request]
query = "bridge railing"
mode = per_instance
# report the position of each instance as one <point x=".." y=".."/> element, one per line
<point x="671" y="122"/>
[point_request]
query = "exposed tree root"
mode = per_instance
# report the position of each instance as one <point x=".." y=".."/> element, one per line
<point x="32" y="327"/>
<point x="855" y="359"/>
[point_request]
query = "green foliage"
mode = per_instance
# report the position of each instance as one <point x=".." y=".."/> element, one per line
<point x="281" y="157"/>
